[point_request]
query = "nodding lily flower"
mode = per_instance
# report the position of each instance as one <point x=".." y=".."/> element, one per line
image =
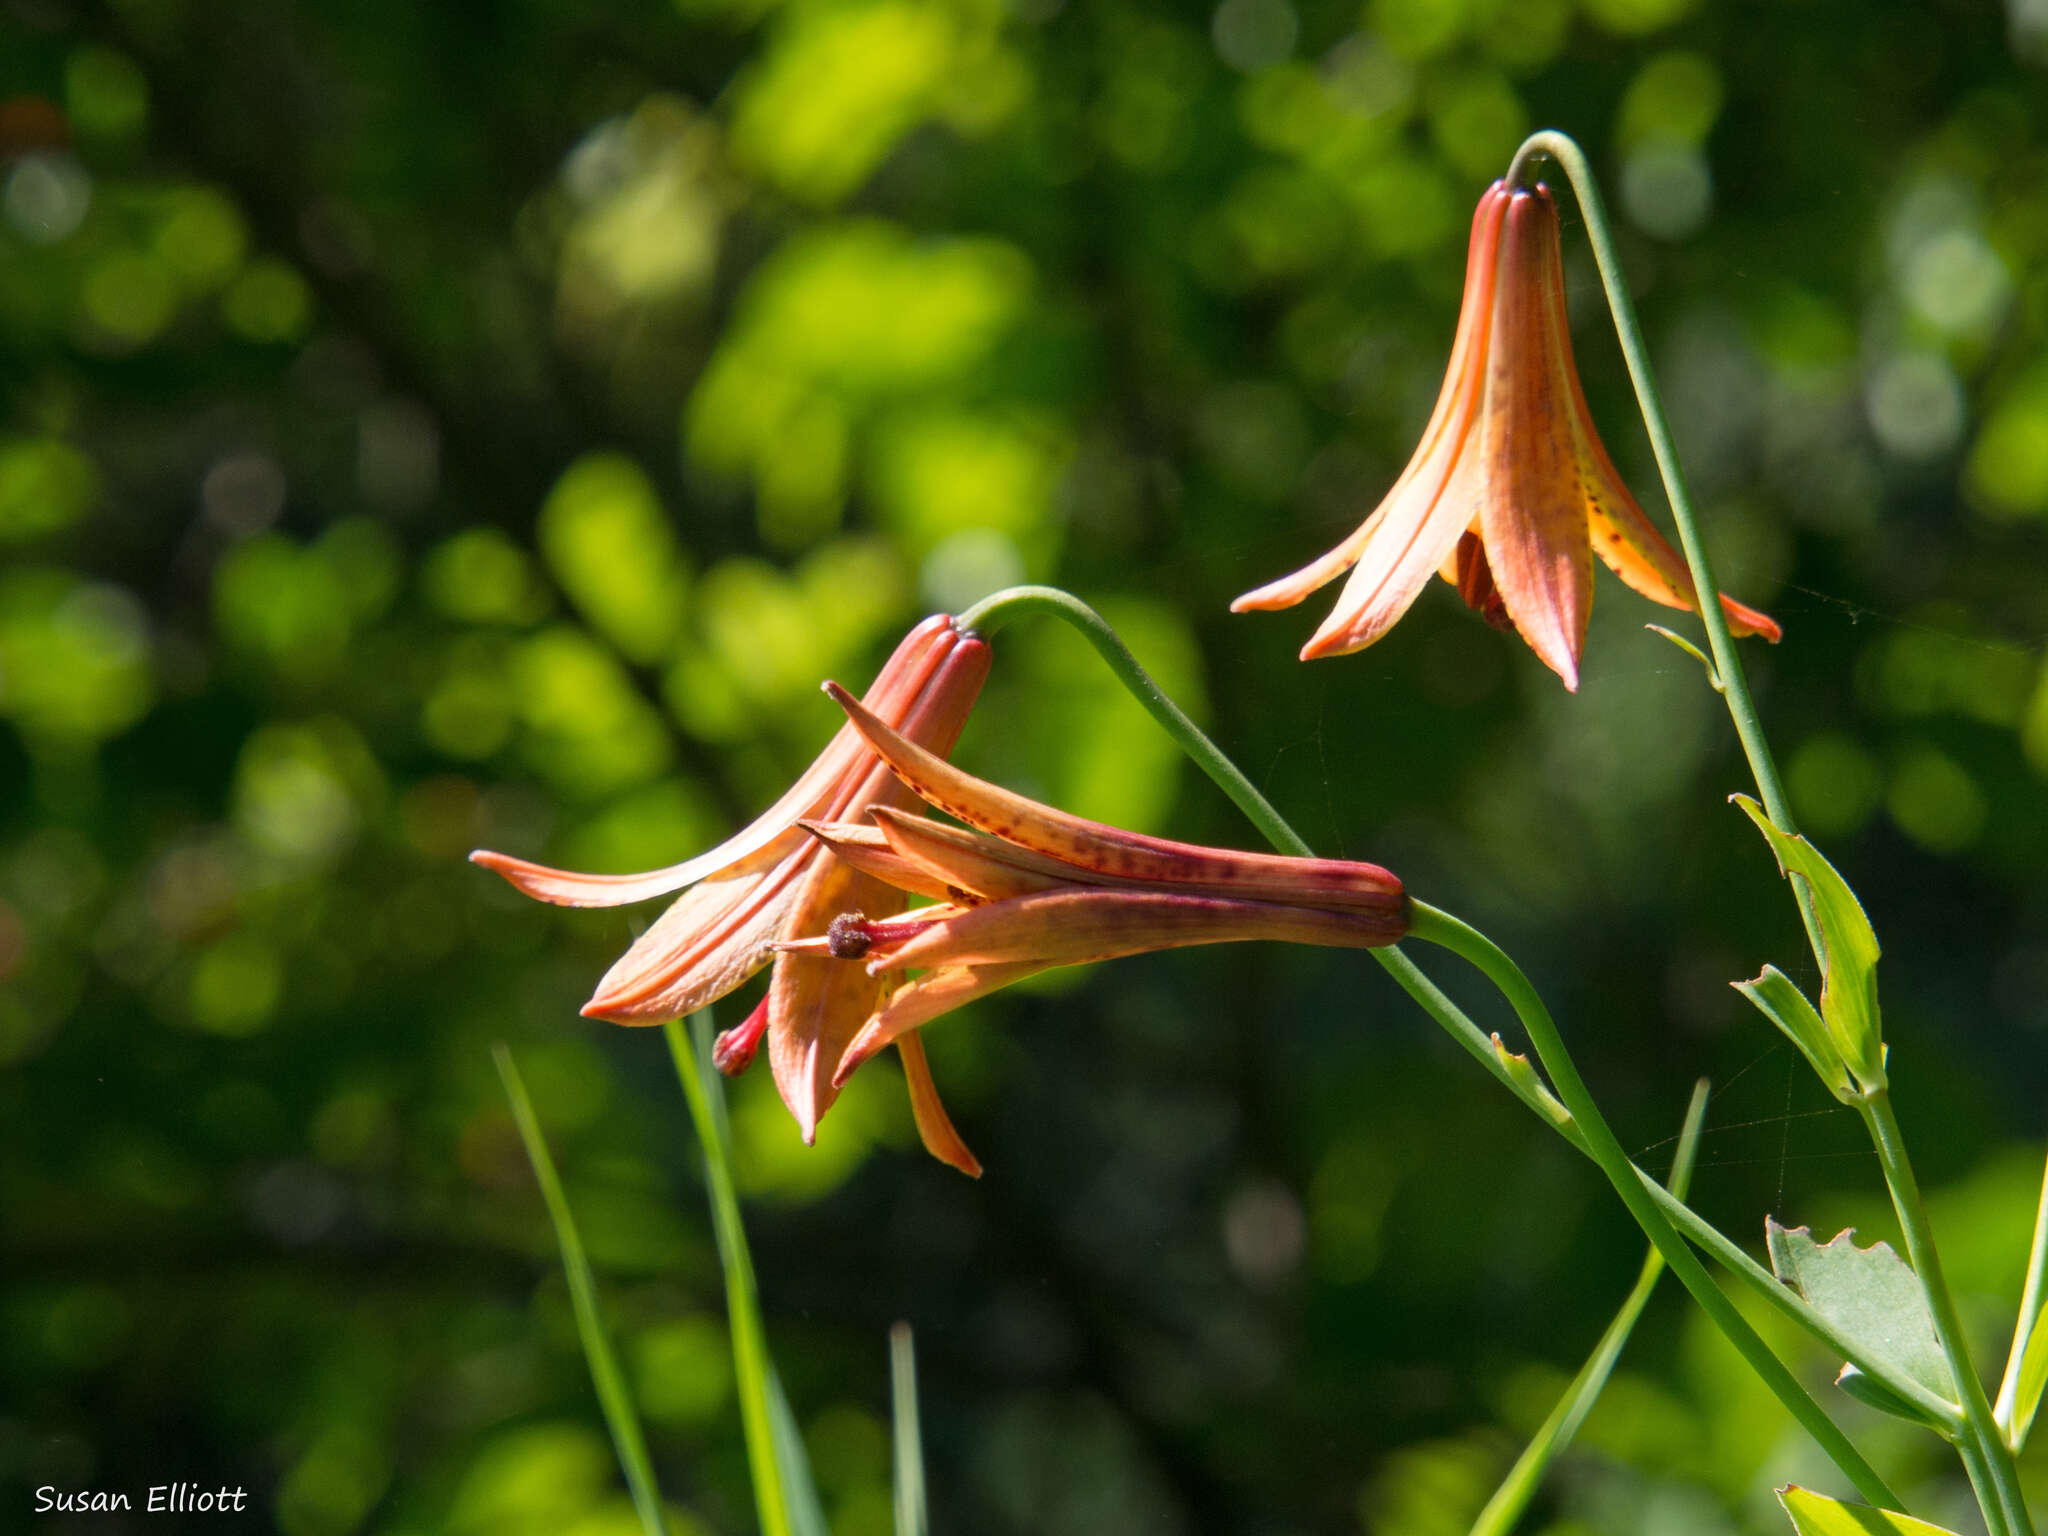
<point x="1030" y="888"/>
<point x="1510" y="492"/>
<point x="774" y="881"/>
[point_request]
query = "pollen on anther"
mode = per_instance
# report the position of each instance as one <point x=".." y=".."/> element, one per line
<point x="848" y="937"/>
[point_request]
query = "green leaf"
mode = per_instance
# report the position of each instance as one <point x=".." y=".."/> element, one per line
<point x="793" y="1462"/>
<point x="1531" y="1088"/>
<point x="1871" y="1296"/>
<point x="907" y="1440"/>
<point x="1713" y="675"/>
<point x="2033" y="1378"/>
<point x="613" y="1396"/>
<point x="1778" y="1000"/>
<point x="1815" y="1514"/>
<point x="1872" y="1393"/>
<point x="1848" y="994"/>
<point x="2026" y="1366"/>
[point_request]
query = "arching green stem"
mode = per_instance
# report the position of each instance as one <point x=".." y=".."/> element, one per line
<point x="1468" y="943"/>
<point x="1981" y="1426"/>
<point x="1727" y="662"/>
<point x="999" y="609"/>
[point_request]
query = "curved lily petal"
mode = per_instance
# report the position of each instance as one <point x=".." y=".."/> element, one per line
<point x="770" y="836"/>
<point x="1127" y="856"/>
<point x="1078" y="926"/>
<point x="918" y="1002"/>
<point x="934" y="1125"/>
<point x="1533" y="518"/>
<point x="1448" y="423"/>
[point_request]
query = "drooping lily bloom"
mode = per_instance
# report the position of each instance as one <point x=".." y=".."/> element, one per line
<point x="1510" y="492"/>
<point x="774" y="881"/>
<point x="1032" y="887"/>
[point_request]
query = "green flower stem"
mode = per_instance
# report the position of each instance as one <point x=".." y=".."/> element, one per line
<point x="1709" y="1238"/>
<point x="1734" y="687"/>
<point x="1467" y="942"/>
<point x="993" y="612"/>
<point x="1982" y="1426"/>
<point x="2015" y="1417"/>
<point x="1984" y="1486"/>
<point x="749" y="1338"/>
<point x="1727" y="663"/>
<point x="1511" y="1499"/>
<point x="612" y="1393"/>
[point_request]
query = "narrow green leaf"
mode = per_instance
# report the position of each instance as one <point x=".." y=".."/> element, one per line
<point x="800" y="1489"/>
<point x="1519" y="1486"/>
<point x="2026" y="1367"/>
<point x="2033" y="1378"/>
<point x="1778" y="1000"/>
<point x="1848" y="994"/>
<point x="1713" y="677"/>
<point x="911" y="1518"/>
<point x="1872" y="1393"/>
<point x="620" y="1416"/>
<point x="768" y="1429"/>
<point x="1815" y="1514"/>
<point x="1870" y="1295"/>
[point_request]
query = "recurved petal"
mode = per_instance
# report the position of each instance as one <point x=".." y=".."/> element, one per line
<point x="711" y="939"/>
<point x="866" y="849"/>
<point x="1636" y="552"/>
<point x="975" y="862"/>
<point x="1447" y="423"/>
<point x="905" y="678"/>
<point x="934" y="1125"/>
<point x="760" y="844"/>
<point x="1532" y="508"/>
<point x="1433" y="503"/>
<point x="1097" y="850"/>
<point x="918" y="1002"/>
<point x="817" y="1004"/>
<point x="1079" y="926"/>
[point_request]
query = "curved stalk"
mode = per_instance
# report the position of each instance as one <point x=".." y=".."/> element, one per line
<point x="1469" y="944"/>
<point x="1002" y="607"/>
<point x="1733" y="684"/>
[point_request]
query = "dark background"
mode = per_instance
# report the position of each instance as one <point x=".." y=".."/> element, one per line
<point x="439" y="426"/>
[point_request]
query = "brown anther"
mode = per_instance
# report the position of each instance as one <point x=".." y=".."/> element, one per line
<point x="848" y="937"/>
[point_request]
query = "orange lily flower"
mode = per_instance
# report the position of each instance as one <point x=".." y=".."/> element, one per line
<point x="1510" y="492"/>
<point x="1034" y="888"/>
<point x="774" y="881"/>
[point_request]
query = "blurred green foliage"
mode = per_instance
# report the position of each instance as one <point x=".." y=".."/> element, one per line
<point x="431" y="427"/>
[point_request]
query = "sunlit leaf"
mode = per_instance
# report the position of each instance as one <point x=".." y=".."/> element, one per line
<point x="1815" y="1514"/>
<point x="1848" y="997"/>
<point x="1778" y="1000"/>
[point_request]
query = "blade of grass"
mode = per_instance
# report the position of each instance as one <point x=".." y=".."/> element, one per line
<point x="612" y="1393"/>
<point x="911" y="1519"/>
<point x="768" y="1460"/>
<point x="1512" y="1497"/>
<point x="799" y="1488"/>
